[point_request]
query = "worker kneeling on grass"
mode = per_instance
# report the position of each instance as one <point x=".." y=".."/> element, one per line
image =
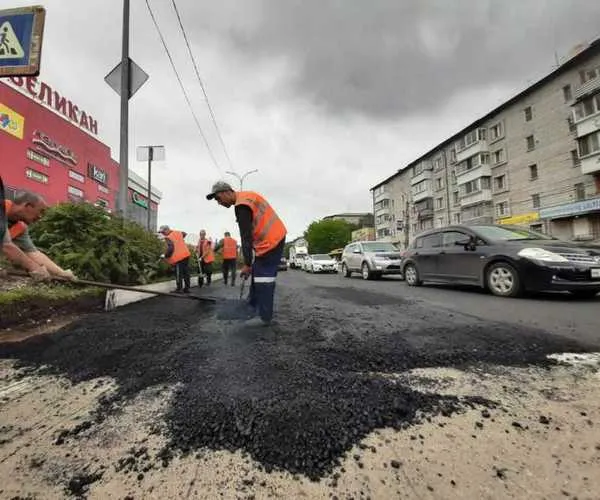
<point x="16" y="242"/>
<point x="263" y="232"/>
<point x="178" y="255"/>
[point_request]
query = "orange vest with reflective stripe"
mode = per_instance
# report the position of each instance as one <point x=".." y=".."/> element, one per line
<point x="180" y="249"/>
<point x="229" y="248"/>
<point x="267" y="228"/>
<point x="207" y="249"/>
<point x="18" y="228"/>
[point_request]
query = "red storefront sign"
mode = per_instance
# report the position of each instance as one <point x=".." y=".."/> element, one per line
<point x="53" y="155"/>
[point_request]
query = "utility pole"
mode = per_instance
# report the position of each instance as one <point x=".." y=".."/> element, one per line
<point x="149" y="200"/>
<point x="406" y="223"/>
<point x="125" y="93"/>
<point x="241" y="178"/>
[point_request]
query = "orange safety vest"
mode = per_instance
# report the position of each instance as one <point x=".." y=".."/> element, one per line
<point x="18" y="228"/>
<point x="267" y="228"/>
<point x="206" y="247"/>
<point x="180" y="249"/>
<point x="229" y="248"/>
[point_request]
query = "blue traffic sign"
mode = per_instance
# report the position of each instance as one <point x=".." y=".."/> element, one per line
<point x="21" y="33"/>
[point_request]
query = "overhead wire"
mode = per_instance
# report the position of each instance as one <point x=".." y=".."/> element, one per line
<point x="189" y="103"/>
<point x="210" y="109"/>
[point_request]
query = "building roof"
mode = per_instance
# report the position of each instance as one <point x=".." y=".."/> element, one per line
<point x="349" y="214"/>
<point x="591" y="50"/>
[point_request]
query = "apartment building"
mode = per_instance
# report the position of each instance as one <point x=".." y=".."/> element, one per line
<point x="534" y="161"/>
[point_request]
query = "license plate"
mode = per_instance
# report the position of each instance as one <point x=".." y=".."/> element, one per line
<point x="596" y="273"/>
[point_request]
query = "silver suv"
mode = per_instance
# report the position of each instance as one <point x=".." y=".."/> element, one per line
<point x="372" y="259"/>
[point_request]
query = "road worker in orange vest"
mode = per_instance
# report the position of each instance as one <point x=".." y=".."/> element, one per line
<point x="229" y="251"/>
<point x="178" y="255"/>
<point x="16" y="242"/>
<point x="263" y="233"/>
<point x="207" y="257"/>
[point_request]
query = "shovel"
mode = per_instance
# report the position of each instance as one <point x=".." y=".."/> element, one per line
<point x="235" y="309"/>
<point x="112" y="286"/>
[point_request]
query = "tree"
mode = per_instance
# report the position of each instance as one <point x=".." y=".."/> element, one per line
<point x="327" y="235"/>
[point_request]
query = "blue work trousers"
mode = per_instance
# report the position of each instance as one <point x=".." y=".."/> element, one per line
<point x="262" y="287"/>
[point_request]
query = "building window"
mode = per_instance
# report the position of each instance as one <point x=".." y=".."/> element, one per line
<point x="453" y="155"/>
<point x="589" y="144"/>
<point x="535" y="200"/>
<point x="579" y="191"/>
<point x="502" y="209"/>
<point x="437" y="163"/>
<point x="528" y="113"/>
<point x="500" y="183"/>
<point x="439" y="203"/>
<point x="456" y="218"/>
<point x="496" y="131"/>
<point x="571" y="124"/>
<point x="486" y="182"/>
<point x="441" y="222"/>
<point x="382" y="204"/>
<point x="471" y="138"/>
<point x="530" y="143"/>
<point x="453" y="177"/>
<point x="587" y="107"/>
<point x="498" y="156"/>
<point x="439" y="183"/>
<point x="533" y="172"/>
<point x="567" y="93"/>
<point x="575" y="158"/>
<point x="588" y="74"/>
<point x="456" y="198"/>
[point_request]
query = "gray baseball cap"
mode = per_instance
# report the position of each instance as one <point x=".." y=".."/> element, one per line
<point x="218" y="187"/>
<point x="164" y="229"/>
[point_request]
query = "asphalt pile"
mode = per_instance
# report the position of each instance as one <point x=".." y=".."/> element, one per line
<point x="295" y="396"/>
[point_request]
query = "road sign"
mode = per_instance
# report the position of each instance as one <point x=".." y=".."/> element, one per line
<point x="155" y="153"/>
<point x="137" y="78"/>
<point x="21" y="35"/>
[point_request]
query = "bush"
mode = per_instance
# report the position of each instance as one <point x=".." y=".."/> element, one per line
<point x="99" y="246"/>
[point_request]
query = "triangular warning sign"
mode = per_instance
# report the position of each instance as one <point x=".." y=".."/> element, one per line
<point x="10" y="47"/>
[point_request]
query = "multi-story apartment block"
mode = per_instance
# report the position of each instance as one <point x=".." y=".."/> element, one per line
<point x="358" y="219"/>
<point x="534" y="161"/>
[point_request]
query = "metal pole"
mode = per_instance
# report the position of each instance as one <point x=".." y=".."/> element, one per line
<point x="149" y="200"/>
<point x="125" y="88"/>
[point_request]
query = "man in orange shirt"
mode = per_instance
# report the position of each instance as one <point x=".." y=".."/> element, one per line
<point x="207" y="257"/>
<point x="229" y="250"/>
<point x="263" y="234"/>
<point x="178" y="255"/>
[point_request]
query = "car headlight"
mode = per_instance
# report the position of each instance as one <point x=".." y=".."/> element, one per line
<point x="541" y="255"/>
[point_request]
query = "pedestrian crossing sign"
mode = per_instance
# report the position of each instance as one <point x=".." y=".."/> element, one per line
<point x="21" y="33"/>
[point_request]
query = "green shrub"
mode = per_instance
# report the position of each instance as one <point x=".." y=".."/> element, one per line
<point x="99" y="246"/>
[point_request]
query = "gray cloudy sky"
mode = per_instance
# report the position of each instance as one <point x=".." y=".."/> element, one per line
<point x="324" y="97"/>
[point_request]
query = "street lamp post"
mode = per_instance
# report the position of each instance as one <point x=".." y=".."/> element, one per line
<point x="241" y="177"/>
<point x="149" y="153"/>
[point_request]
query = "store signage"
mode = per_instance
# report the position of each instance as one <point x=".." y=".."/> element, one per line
<point x="54" y="149"/>
<point x="38" y="158"/>
<point x="11" y="122"/>
<point x="139" y="200"/>
<point x="44" y="94"/>
<point x="76" y="175"/>
<point x="520" y="219"/>
<point x="570" y="209"/>
<point x="34" y="175"/>
<point x="103" y="189"/>
<point x="101" y="203"/>
<point x="75" y="191"/>
<point x="97" y="174"/>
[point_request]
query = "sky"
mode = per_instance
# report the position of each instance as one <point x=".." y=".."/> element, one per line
<point x="325" y="98"/>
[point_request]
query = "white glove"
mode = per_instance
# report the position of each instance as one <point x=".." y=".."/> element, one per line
<point x="40" y="274"/>
<point x="162" y="255"/>
<point x="68" y="274"/>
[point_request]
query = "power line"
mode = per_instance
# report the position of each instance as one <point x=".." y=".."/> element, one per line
<point x="162" y="39"/>
<point x="212" y="114"/>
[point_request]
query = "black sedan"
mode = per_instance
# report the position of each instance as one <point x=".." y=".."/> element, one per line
<point x="504" y="259"/>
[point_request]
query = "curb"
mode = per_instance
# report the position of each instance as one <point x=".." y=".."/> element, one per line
<point x="120" y="298"/>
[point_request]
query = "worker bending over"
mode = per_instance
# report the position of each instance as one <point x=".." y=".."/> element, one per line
<point x="263" y="232"/>
<point x="178" y="255"/>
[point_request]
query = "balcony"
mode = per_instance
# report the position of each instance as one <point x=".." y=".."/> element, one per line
<point x="465" y="175"/>
<point x="422" y="195"/>
<point x="422" y="176"/>
<point x="591" y="164"/>
<point x="480" y="146"/>
<point x="475" y="197"/>
<point x="588" y="124"/>
<point x="587" y="89"/>
<point x="425" y="213"/>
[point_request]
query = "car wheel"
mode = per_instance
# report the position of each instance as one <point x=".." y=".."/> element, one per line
<point x="584" y="294"/>
<point x="503" y="280"/>
<point x="411" y="275"/>
<point x="366" y="272"/>
<point x="345" y="271"/>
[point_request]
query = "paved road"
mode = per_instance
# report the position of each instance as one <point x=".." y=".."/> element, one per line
<point x="558" y="313"/>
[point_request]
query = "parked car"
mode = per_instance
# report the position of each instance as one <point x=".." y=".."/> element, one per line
<point x="372" y="259"/>
<point x="320" y="263"/>
<point x="283" y="264"/>
<point x="504" y="259"/>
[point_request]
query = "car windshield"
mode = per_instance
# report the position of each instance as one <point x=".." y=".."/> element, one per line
<point x="379" y="247"/>
<point x="509" y="233"/>
<point x="321" y="256"/>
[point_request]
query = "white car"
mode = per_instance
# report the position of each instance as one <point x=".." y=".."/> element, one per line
<point x="320" y="263"/>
